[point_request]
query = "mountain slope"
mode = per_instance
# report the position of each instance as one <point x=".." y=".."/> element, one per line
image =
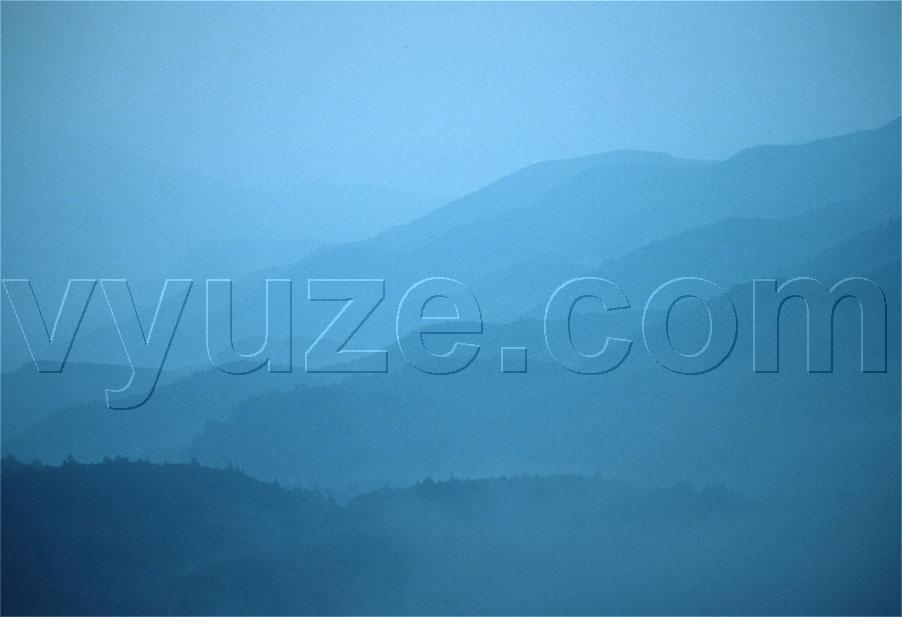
<point x="601" y="209"/>
<point x="190" y="540"/>
<point x="582" y="212"/>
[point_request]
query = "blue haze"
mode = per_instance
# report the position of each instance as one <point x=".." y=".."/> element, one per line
<point x="512" y="147"/>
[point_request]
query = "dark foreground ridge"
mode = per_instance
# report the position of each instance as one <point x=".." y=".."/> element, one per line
<point x="124" y="537"/>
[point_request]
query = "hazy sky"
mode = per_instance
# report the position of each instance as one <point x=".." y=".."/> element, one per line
<point x="441" y="98"/>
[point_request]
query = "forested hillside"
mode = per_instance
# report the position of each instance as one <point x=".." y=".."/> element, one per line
<point x="186" y="539"/>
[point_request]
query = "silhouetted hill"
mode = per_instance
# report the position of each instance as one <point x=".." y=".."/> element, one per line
<point x="523" y="188"/>
<point x="184" y="539"/>
<point x="639" y="419"/>
<point x="28" y="396"/>
<point x="349" y="433"/>
<point x="756" y="248"/>
<point x="518" y="231"/>
<point x="82" y="424"/>
<point x="588" y="210"/>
